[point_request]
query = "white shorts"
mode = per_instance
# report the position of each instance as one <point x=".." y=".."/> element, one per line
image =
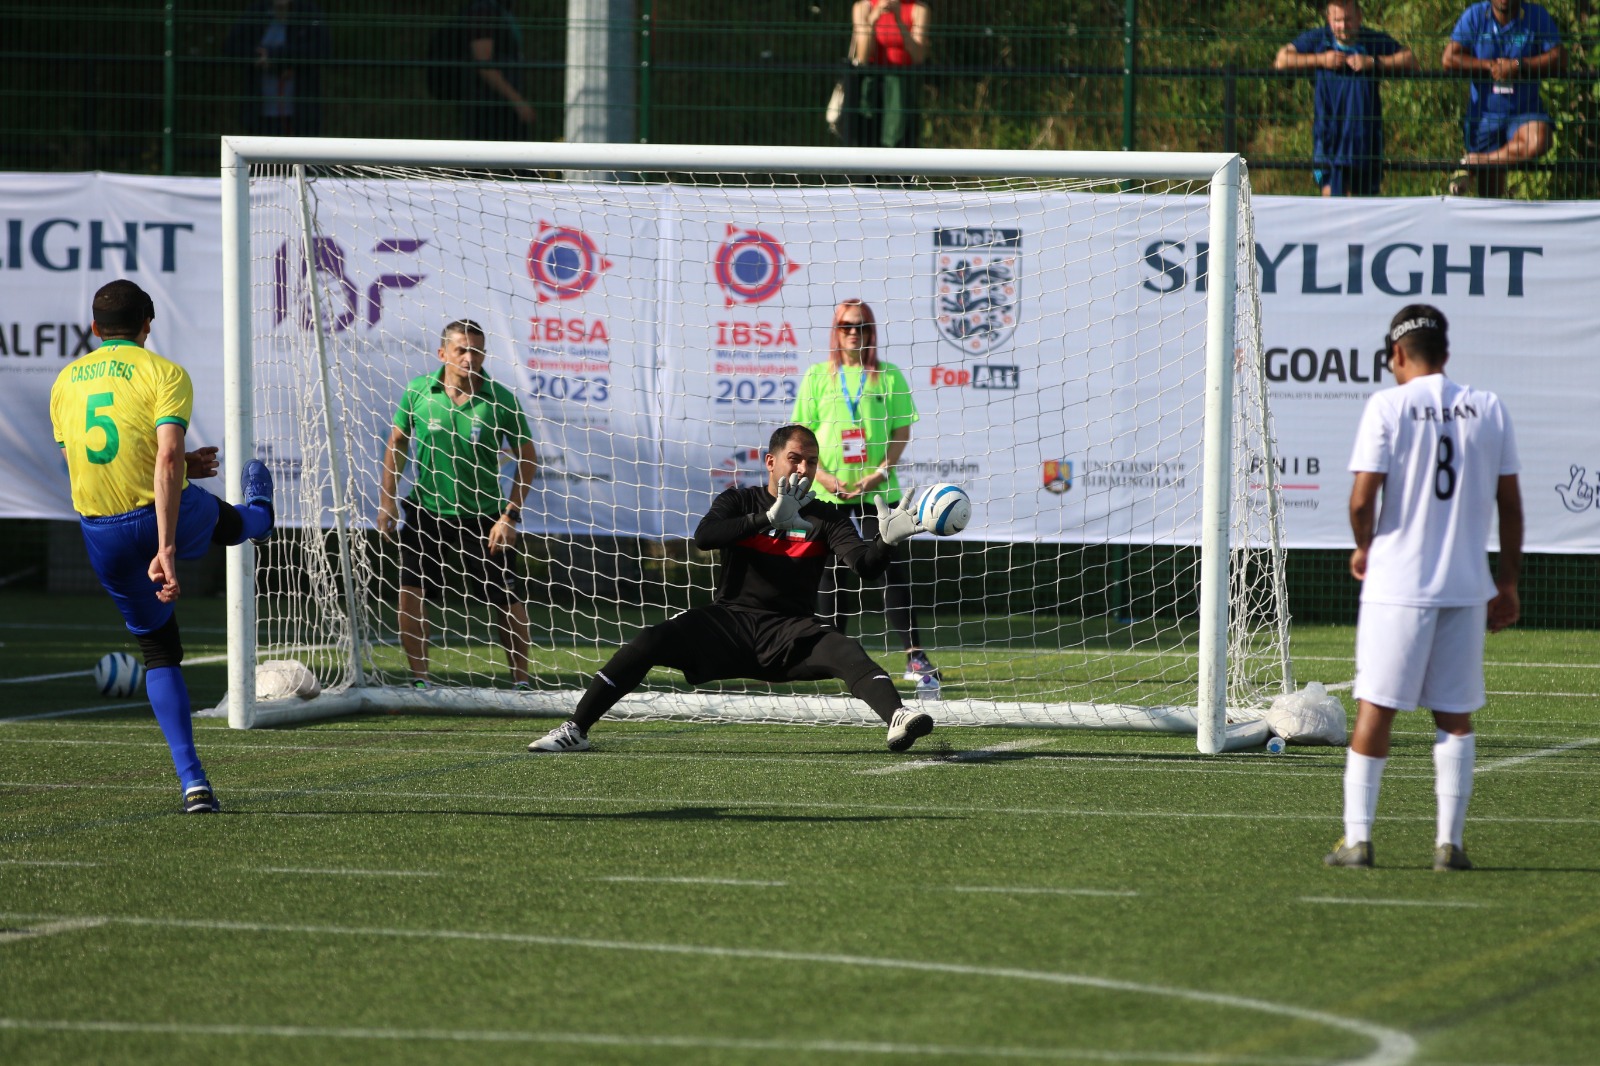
<point x="1430" y="657"/>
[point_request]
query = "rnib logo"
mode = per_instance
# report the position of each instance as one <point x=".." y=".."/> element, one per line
<point x="1577" y="495"/>
<point x="1058" y="475"/>
<point x="564" y="263"/>
<point x="744" y="466"/>
<point x="751" y="266"/>
<point x="975" y="300"/>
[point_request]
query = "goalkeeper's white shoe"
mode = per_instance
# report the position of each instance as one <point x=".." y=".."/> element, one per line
<point x="564" y="737"/>
<point x="906" y="726"/>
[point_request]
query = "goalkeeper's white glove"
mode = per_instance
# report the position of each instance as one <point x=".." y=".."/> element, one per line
<point x="897" y="524"/>
<point x="794" y="492"/>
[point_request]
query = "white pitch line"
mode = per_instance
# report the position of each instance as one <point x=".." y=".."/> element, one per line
<point x="338" y="872"/>
<point x="1570" y="695"/>
<point x="695" y="881"/>
<point x="976" y="755"/>
<point x="123" y="705"/>
<point x="646" y="1040"/>
<point x="1001" y="890"/>
<point x="1390" y="902"/>
<point x="1518" y="760"/>
<point x="200" y="661"/>
<point x="43" y="862"/>
<point x="64" y="925"/>
<point x="1392" y="1046"/>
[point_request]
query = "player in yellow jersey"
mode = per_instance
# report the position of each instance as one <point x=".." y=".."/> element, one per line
<point x="120" y="414"/>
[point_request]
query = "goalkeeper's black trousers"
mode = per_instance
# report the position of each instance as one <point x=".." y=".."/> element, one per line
<point x="716" y="643"/>
<point x="833" y="607"/>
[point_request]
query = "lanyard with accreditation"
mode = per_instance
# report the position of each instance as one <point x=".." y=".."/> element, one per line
<point x="854" y="440"/>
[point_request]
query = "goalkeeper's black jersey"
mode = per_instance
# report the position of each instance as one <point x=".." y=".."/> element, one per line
<point x="765" y="569"/>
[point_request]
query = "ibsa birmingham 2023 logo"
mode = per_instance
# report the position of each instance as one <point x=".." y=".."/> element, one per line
<point x="751" y="266"/>
<point x="975" y="295"/>
<point x="564" y="263"/>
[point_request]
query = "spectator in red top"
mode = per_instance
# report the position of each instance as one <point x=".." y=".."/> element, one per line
<point x="888" y="39"/>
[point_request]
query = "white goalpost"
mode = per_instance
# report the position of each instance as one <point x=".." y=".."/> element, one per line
<point x="1080" y="332"/>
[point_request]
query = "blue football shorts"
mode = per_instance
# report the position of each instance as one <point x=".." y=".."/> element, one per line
<point x="1493" y="131"/>
<point x="121" y="547"/>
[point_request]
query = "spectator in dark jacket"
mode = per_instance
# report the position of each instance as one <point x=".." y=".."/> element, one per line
<point x="285" y="44"/>
<point x="1347" y="130"/>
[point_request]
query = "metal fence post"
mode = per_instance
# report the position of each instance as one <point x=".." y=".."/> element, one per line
<point x="169" y="88"/>
<point x="644" y="71"/>
<point x="1130" y="31"/>
<point x="1230" y="110"/>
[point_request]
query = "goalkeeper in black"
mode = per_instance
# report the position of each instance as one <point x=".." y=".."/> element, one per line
<point x="775" y="542"/>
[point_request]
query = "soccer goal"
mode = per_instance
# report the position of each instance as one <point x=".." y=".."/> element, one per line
<point x="1080" y="332"/>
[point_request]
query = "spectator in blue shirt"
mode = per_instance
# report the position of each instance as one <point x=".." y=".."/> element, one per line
<point x="1347" y="132"/>
<point x="1507" y="45"/>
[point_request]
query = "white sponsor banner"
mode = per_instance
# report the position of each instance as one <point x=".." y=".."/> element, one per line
<point x="62" y="236"/>
<point x="1019" y="324"/>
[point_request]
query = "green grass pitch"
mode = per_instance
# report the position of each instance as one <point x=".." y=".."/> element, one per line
<point x="420" y="889"/>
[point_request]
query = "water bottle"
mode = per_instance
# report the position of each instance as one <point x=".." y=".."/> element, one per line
<point x="927" y="687"/>
<point x="1275" y="745"/>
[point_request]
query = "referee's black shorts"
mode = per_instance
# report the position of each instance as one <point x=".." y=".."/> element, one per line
<point x="717" y="643"/>
<point x="431" y="544"/>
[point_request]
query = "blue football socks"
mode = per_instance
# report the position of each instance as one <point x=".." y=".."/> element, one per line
<point x="169" y="698"/>
<point x="257" y="519"/>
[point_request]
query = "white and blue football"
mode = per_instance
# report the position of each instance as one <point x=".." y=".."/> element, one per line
<point x="944" y="509"/>
<point x="118" y="674"/>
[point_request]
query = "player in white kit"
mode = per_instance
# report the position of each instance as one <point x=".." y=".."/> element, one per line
<point x="1444" y="457"/>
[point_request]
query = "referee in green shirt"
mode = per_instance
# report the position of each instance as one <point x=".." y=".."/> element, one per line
<point x="459" y="419"/>
<point x="861" y="411"/>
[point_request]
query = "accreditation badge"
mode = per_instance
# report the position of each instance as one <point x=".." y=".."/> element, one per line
<point x="854" y="443"/>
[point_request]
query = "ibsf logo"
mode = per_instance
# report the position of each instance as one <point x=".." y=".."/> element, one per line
<point x="751" y="266"/>
<point x="1577" y="494"/>
<point x="1058" y="475"/>
<point x="975" y="298"/>
<point x="744" y="466"/>
<point x="564" y="263"/>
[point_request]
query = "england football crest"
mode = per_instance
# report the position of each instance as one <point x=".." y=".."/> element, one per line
<point x="975" y="291"/>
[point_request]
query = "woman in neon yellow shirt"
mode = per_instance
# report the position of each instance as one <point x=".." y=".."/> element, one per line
<point x="861" y="410"/>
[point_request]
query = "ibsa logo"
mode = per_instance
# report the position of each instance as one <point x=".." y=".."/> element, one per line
<point x="1058" y="475"/>
<point x="751" y="266"/>
<point x="741" y="467"/>
<point x="980" y="376"/>
<point x="1577" y="495"/>
<point x="564" y="263"/>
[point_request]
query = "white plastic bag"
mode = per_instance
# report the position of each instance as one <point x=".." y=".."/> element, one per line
<point x="1310" y="716"/>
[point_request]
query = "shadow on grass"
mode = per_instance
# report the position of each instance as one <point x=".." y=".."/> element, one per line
<point x="670" y="814"/>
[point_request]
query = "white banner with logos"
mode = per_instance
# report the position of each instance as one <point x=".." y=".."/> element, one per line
<point x="1019" y="324"/>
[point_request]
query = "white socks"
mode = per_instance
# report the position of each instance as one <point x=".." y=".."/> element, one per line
<point x="1452" y="782"/>
<point x="1362" y="776"/>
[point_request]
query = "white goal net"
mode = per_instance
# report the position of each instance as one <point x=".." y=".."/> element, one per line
<point x="1082" y="357"/>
